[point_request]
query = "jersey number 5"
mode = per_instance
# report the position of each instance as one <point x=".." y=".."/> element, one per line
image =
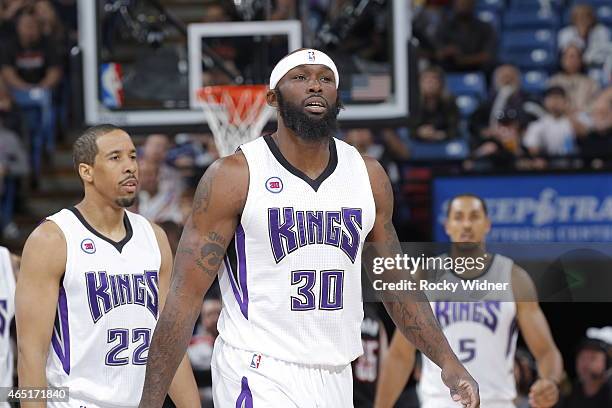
<point x="467" y="350"/>
<point x="331" y="284"/>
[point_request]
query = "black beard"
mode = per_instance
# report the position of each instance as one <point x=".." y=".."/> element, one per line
<point x="125" y="202"/>
<point x="304" y="126"/>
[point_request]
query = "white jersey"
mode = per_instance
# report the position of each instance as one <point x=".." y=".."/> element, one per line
<point x="7" y="311"/>
<point x="107" y="311"/>
<point x="293" y="292"/>
<point x="483" y="334"/>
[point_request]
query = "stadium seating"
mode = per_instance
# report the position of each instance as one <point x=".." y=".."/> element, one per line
<point x="454" y="150"/>
<point x="528" y="39"/>
<point x="472" y="83"/>
<point x="604" y="14"/>
<point x="534" y="82"/>
<point x="491" y="17"/>
<point x="492" y="5"/>
<point x="537" y="59"/>
<point x="518" y="19"/>
<point x="467" y="104"/>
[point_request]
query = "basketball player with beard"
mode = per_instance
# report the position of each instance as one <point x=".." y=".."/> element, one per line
<point x="93" y="278"/>
<point x="482" y="330"/>
<point x="282" y="222"/>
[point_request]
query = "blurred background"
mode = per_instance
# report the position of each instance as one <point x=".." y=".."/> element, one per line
<point x="507" y="99"/>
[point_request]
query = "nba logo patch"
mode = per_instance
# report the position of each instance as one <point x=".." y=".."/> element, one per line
<point x="311" y="56"/>
<point x="255" y="360"/>
<point x="88" y="246"/>
<point x="274" y="185"/>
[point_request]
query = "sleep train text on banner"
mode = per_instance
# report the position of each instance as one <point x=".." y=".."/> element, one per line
<point x="535" y="208"/>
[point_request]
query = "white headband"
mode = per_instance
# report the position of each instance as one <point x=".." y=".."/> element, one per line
<point x="303" y="57"/>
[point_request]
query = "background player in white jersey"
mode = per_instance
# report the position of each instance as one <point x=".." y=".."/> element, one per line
<point x="92" y="280"/>
<point x="8" y="273"/>
<point x="482" y="333"/>
<point x="300" y="203"/>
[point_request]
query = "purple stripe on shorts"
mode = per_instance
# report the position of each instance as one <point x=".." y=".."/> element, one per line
<point x="239" y="288"/>
<point x="61" y="337"/>
<point x="245" y="399"/>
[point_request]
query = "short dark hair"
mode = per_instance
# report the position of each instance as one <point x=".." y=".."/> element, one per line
<point x="468" y="195"/>
<point x="555" y="90"/>
<point x="84" y="149"/>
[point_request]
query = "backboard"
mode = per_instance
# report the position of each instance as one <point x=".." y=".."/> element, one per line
<point x="142" y="66"/>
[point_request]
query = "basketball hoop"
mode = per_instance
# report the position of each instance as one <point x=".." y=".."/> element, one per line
<point x="236" y="114"/>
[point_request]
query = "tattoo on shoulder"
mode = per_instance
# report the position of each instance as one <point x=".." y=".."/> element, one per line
<point x="217" y="238"/>
<point x="203" y="194"/>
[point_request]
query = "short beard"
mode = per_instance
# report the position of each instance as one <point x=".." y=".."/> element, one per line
<point x="306" y="127"/>
<point x="125" y="202"/>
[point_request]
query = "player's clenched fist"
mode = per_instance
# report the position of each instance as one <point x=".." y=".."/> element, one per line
<point x="544" y="393"/>
<point x="462" y="386"/>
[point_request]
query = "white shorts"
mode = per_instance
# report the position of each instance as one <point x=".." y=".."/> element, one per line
<point x="245" y="379"/>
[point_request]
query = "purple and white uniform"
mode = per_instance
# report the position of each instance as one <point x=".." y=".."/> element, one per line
<point x="7" y="311"/>
<point x="107" y="311"/>
<point x="291" y="282"/>
<point x="483" y="335"/>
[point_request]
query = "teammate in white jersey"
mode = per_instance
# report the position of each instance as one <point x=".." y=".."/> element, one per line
<point x="8" y="272"/>
<point x="483" y="333"/>
<point x="93" y="279"/>
<point x="300" y="205"/>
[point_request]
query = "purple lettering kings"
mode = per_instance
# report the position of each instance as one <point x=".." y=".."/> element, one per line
<point x="281" y="230"/>
<point x="97" y="290"/>
<point x="105" y="293"/>
<point x="290" y="230"/>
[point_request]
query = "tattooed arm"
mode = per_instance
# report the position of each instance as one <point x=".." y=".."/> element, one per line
<point x="411" y="312"/>
<point x="218" y="202"/>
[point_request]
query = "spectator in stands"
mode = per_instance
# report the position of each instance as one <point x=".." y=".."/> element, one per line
<point x="50" y="25"/>
<point x="158" y="201"/>
<point x="465" y="43"/>
<point x="428" y="18"/>
<point x="586" y="34"/>
<point x="507" y="95"/>
<point x="597" y="127"/>
<point x="31" y="67"/>
<point x="13" y="166"/>
<point x="8" y="11"/>
<point x="9" y="114"/>
<point x="579" y="88"/>
<point x="503" y="145"/>
<point x="384" y="146"/>
<point x="192" y="155"/>
<point x="593" y="388"/>
<point x="437" y="117"/>
<point x="554" y="133"/>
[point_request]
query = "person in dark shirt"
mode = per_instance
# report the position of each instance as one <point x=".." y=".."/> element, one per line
<point x="593" y="389"/>
<point x="465" y="43"/>
<point x="437" y="118"/>
<point x="367" y="366"/>
<point x="31" y="67"/>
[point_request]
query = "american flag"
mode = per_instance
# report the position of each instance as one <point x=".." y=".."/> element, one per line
<point x="370" y="87"/>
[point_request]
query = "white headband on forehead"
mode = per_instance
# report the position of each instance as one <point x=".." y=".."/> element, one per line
<point x="302" y="57"/>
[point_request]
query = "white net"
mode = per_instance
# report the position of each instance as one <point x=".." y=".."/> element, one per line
<point x="235" y="114"/>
